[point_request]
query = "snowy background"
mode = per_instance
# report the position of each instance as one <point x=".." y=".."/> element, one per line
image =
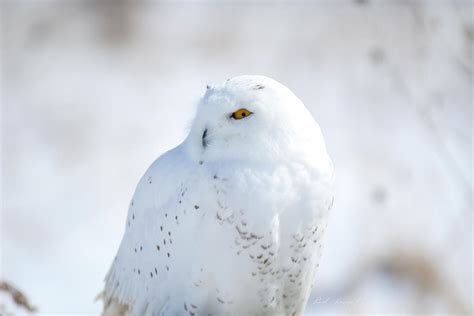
<point x="93" y="91"/>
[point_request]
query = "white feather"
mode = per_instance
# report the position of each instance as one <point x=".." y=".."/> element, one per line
<point x="234" y="227"/>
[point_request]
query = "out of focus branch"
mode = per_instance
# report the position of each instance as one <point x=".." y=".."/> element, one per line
<point x="17" y="296"/>
<point x="410" y="268"/>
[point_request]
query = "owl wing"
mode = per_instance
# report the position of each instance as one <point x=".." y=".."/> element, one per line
<point x="154" y="254"/>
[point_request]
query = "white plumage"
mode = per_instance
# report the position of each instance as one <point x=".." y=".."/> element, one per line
<point x="230" y="222"/>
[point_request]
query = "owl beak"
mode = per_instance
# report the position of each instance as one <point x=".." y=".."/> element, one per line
<point x="204" y="140"/>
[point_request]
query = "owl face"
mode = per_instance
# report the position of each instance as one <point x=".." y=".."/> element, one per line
<point x="248" y="117"/>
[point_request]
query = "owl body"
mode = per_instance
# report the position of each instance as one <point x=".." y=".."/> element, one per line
<point x="217" y="230"/>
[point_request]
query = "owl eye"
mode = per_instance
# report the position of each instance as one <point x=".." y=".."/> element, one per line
<point x="240" y="114"/>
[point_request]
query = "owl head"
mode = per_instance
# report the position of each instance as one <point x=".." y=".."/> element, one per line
<point x="252" y="118"/>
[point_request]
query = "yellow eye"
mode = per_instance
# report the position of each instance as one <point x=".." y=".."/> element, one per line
<point x="240" y="114"/>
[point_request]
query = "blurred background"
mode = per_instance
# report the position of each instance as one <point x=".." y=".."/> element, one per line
<point x="93" y="91"/>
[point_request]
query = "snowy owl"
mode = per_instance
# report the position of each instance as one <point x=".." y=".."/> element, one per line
<point x="231" y="221"/>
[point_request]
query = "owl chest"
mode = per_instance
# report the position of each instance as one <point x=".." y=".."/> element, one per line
<point x="251" y="246"/>
<point x="273" y="251"/>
